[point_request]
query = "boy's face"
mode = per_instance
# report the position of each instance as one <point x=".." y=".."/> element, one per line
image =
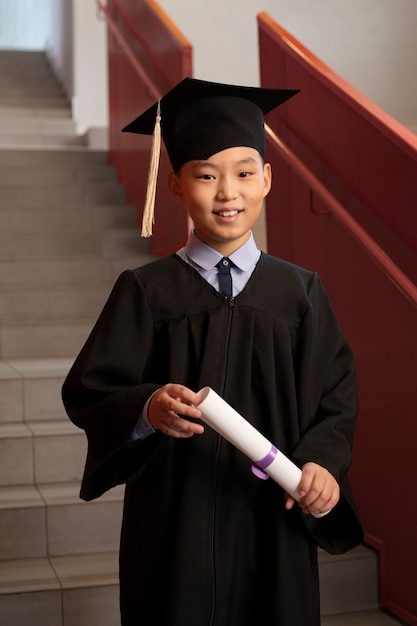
<point x="223" y="195"/>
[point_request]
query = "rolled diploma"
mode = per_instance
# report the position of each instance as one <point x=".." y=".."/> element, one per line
<point x="218" y="414"/>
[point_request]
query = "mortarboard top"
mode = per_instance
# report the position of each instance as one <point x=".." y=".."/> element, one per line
<point x="199" y="118"/>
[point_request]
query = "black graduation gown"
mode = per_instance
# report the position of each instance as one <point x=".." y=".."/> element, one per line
<point x="204" y="542"/>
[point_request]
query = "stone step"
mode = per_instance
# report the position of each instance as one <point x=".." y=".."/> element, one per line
<point x="60" y="246"/>
<point x="11" y="140"/>
<point x="356" y="572"/>
<point x="80" y="271"/>
<point x="25" y="111"/>
<point x="30" y="390"/>
<point x="30" y="85"/>
<point x="60" y="591"/>
<point x="40" y="245"/>
<point x="47" y="452"/>
<point x="37" y="140"/>
<point x="53" y="157"/>
<point x="19" y="97"/>
<point x="22" y="60"/>
<point x="377" y="617"/>
<point x="13" y="124"/>
<point x="65" y="195"/>
<point x="86" y="586"/>
<point x="55" y="218"/>
<point x="37" y="174"/>
<point x="38" y="78"/>
<point x="25" y="63"/>
<point x="52" y="304"/>
<point x="51" y="520"/>
<point x="43" y="339"/>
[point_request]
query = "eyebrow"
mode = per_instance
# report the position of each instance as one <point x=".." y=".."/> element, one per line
<point x="248" y="160"/>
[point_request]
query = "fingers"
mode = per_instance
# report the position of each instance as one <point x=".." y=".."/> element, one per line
<point x="289" y="501"/>
<point x="319" y="491"/>
<point x="169" y="407"/>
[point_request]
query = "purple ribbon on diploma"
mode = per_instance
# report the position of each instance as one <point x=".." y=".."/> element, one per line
<point x="259" y="466"/>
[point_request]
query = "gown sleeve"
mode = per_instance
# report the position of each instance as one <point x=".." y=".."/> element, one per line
<point x="327" y="372"/>
<point x="104" y="392"/>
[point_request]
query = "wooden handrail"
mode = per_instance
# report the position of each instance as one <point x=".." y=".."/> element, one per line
<point x="394" y="273"/>
<point x="121" y="39"/>
<point x="398" y="133"/>
<point x="169" y="24"/>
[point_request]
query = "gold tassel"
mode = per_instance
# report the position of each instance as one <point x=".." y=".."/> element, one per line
<point x="148" y="212"/>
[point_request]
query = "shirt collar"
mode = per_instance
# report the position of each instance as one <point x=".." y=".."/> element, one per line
<point x="206" y="257"/>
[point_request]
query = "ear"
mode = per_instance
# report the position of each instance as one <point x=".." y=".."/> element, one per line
<point x="175" y="188"/>
<point x="267" y="178"/>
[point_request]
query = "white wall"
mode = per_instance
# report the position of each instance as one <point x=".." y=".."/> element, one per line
<point x="59" y="44"/>
<point x="24" y="24"/>
<point x="371" y="43"/>
<point x="90" y="92"/>
<point x="77" y="48"/>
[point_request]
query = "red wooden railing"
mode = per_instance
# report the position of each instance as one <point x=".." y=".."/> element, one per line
<point x="377" y="254"/>
<point x="344" y="203"/>
<point x="147" y="56"/>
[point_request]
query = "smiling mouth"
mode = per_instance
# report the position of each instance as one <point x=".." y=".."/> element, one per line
<point x="230" y="213"/>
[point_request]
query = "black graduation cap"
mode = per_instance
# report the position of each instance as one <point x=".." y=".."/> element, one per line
<point x="198" y="118"/>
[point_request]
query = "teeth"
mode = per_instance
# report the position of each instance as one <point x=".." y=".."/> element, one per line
<point x="228" y="213"/>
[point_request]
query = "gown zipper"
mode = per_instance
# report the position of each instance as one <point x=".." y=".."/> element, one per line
<point x="231" y="305"/>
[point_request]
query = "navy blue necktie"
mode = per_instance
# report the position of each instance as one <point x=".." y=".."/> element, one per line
<point x="225" y="277"/>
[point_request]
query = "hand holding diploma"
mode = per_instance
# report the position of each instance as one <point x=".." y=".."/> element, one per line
<point x="266" y="459"/>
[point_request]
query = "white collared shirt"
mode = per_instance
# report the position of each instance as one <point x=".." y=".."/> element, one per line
<point x="204" y="259"/>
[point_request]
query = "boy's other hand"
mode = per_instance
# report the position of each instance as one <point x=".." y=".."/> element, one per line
<point x="318" y="489"/>
<point x="168" y="409"/>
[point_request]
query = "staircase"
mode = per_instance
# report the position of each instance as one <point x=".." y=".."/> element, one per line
<point x="66" y="233"/>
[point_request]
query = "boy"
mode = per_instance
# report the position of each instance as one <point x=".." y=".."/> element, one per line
<point x="204" y="542"/>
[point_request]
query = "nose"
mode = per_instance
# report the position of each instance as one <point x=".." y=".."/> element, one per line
<point x="226" y="189"/>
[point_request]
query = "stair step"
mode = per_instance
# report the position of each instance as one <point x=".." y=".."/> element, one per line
<point x="377" y="617"/>
<point x="38" y="245"/>
<point x="48" y="452"/>
<point x="77" y="271"/>
<point x="51" y="520"/>
<point x="65" y="195"/>
<point x="28" y="575"/>
<point x="52" y="304"/>
<point x="106" y="244"/>
<point x="14" y="124"/>
<point x="39" y="174"/>
<point x="29" y="85"/>
<point x="19" y="97"/>
<point x="87" y="583"/>
<point x="64" y="157"/>
<point x="25" y="110"/>
<point x="70" y="591"/>
<point x="40" y="139"/>
<point x="41" y="339"/>
<point x="30" y="390"/>
<point x="64" y="219"/>
<point x="356" y="572"/>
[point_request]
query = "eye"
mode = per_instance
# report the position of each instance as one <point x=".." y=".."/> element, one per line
<point x="205" y="176"/>
<point x="244" y="174"/>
